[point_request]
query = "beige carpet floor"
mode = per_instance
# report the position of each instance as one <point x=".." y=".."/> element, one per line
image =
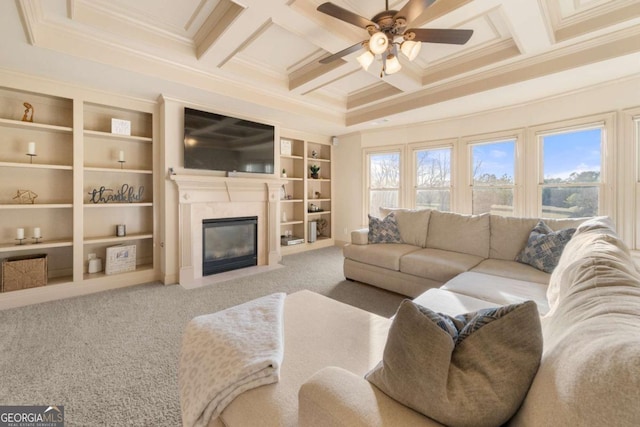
<point x="111" y="358"/>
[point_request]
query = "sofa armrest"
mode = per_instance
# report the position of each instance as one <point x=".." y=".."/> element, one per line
<point x="360" y="237"/>
<point x="336" y="397"/>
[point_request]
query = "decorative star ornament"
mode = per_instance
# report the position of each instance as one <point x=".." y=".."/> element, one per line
<point x="26" y="197"/>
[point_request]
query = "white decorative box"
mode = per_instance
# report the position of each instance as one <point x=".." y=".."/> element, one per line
<point x="120" y="259"/>
<point x="121" y="127"/>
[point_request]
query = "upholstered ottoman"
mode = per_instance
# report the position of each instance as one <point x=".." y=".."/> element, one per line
<point x="318" y="332"/>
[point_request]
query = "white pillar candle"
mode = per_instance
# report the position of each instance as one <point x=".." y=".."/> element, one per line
<point x="121" y="156"/>
<point x="36" y="233"/>
<point x="32" y="148"/>
<point x="20" y="233"/>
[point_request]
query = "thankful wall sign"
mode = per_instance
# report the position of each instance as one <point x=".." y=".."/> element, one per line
<point x="125" y="194"/>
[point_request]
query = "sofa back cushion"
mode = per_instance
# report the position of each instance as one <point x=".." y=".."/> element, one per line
<point x="509" y="234"/>
<point x="468" y="234"/>
<point x="413" y="224"/>
<point x="590" y="368"/>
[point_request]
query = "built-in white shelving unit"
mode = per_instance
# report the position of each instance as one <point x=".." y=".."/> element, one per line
<point x="307" y="198"/>
<point x="75" y="154"/>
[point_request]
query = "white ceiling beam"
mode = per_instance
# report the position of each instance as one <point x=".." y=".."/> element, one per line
<point x="526" y="21"/>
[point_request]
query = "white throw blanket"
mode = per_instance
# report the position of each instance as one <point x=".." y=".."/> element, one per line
<point x="227" y="353"/>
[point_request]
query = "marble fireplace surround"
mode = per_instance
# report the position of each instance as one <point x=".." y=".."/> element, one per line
<point x="213" y="197"/>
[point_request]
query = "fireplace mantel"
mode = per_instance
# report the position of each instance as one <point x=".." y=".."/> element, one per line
<point x="212" y="197"/>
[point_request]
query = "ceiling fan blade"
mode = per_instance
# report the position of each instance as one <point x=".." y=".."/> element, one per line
<point x="413" y="9"/>
<point x="342" y="53"/>
<point x="434" y="35"/>
<point x="345" y="15"/>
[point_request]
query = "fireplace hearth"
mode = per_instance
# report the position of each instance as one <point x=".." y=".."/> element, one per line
<point x="229" y="244"/>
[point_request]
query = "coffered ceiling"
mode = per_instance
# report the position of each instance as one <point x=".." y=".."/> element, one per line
<point x="266" y="52"/>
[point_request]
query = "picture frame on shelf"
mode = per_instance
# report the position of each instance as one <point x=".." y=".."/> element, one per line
<point x="285" y="147"/>
<point x="120" y="259"/>
<point x="121" y="127"/>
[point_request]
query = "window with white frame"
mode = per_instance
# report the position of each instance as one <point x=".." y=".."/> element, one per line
<point x="493" y="176"/>
<point x="432" y="179"/>
<point x="571" y="166"/>
<point x="383" y="180"/>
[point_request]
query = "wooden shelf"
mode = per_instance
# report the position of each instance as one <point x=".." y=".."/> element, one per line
<point x="293" y="157"/>
<point x="291" y="200"/>
<point x="46" y="244"/>
<point x="319" y="180"/>
<point x="139" y="269"/>
<point x="116" y="239"/>
<point x="292" y="179"/>
<point x="35" y="126"/>
<point x="294" y="222"/>
<point x="117" y="205"/>
<point x="319" y="213"/>
<point x="311" y="160"/>
<point x="35" y="166"/>
<point x="37" y="206"/>
<point x="318" y="200"/>
<point x="118" y="170"/>
<point x="108" y="135"/>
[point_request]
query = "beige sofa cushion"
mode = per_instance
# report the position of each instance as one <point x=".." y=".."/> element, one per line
<point x="385" y="255"/>
<point x="318" y="332"/>
<point x="471" y="370"/>
<point x="335" y="397"/>
<point x="499" y="290"/>
<point x="594" y="243"/>
<point x="590" y="370"/>
<point x="512" y="270"/>
<point x="451" y="303"/>
<point x="413" y="224"/>
<point x="437" y="264"/>
<point x="467" y="234"/>
<point x="509" y="234"/>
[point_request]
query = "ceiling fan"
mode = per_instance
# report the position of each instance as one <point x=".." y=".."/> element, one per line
<point x="388" y="32"/>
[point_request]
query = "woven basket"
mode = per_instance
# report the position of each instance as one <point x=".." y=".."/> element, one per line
<point x="24" y="272"/>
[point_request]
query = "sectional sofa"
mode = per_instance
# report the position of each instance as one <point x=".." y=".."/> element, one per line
<point x="440" y="246"/>
<point x="589" y="373"/>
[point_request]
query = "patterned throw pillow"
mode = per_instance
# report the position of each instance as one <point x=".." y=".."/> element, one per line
<point x="470" y="370"/>
<point x="544" y="247"/>
<point x="384" y="230"/>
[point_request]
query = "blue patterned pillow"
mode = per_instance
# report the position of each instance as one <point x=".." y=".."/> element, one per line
<point x="544" y="247"/>
<point x="384" y="230"/>
<point x="463" y="325"/>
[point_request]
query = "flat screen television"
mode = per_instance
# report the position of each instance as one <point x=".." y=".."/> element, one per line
<point x="222" y="143"/>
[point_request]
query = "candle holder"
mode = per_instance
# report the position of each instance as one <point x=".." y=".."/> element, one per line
<point x="20" y="241"/>
<point x="31" y="156"/>
<point x="122" y="162"/>
<point x="37" y="239"/>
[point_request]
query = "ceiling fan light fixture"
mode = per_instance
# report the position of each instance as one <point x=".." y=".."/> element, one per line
<point x="378" y="43"/>
<point x="366" y="59"/>
<point x="392" y="65"/>
<point x="410" y="49"/>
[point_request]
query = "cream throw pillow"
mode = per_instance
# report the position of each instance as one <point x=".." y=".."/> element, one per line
<point x="471" y="370"/>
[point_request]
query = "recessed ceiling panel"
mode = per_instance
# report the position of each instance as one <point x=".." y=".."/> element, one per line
<point x="351" y="83"/>
<point x="172" y="16"/>
<point x="277" y="49"/>
<point x="483" y="33"/>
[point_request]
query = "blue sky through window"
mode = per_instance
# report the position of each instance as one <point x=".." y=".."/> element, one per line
<point x="496" y="158"/>
<point x="565" y="153"/>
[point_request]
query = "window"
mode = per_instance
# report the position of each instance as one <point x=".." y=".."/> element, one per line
<point x="571" y="171"/>
<point x="432" y="169"/>
<point x="383" y="180"/>
<point x="492" y="177"/>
